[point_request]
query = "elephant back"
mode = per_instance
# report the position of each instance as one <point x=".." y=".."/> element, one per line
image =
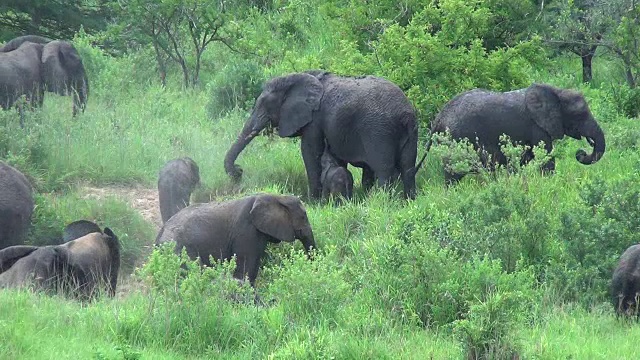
<point x="16" y="205"/>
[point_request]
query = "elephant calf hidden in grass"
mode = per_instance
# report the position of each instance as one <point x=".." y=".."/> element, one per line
<point x="16" y="205"/>
<point x="241" y="227"/>
<point x="79" y="268"/>
<point x="625" y="285"/>
<point x="538" y="113"/>
<point x="176" y="182"/>
<point x="336" y="179"/>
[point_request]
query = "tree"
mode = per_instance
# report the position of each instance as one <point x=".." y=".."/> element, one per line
<point x="57" y="19"/>
<point x="578" y="26"/>
<point x="179" y="30"/>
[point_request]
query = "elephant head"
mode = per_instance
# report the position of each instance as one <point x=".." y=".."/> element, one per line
<point x="286" y="102"/>
<point x="64" y="73"/>
<point x="562" y="112"/>
<point x="78" y="229"/>
<point x="283" y="218"/>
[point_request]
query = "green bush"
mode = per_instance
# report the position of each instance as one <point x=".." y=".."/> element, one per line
<point x="627" y="100"/>
<point x="236" y="85"/>
<point x="594" y="233"/>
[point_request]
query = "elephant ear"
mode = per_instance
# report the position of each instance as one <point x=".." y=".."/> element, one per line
<point x="271" y="217"/>
<point x="301" y="98"/>
<point x="545" y="108"/>
<point x="10" y="255"/>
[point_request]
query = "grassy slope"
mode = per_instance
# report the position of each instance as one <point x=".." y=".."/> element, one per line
<point x="122" y="140"/>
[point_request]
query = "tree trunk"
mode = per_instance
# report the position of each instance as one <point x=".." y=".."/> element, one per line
<point x="587" y="69"/>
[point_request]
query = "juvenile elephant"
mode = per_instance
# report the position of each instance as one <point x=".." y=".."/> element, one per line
<point x="368" y="122"/>
<point x="78" y="229"/>
<point x="242" y="227"/>
<point x="625" y="285"/>
<point x="538" y="113"/>
<point x="336" y="179"/>
<point x="79" y="267"/>
<point x="16" y="205"/>
<point x="176" y="182"/>
<point x="33" y="64"/>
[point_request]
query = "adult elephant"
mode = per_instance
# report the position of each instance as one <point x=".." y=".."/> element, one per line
<point x="367" y="122"/>
<point x="79" y="268"/>
<point x="538" y="113"/>
<point x="59" y="69"/>
<point x="21" y="74"/>
<point x="241" y="227"/>
<point x="16" y="205"/>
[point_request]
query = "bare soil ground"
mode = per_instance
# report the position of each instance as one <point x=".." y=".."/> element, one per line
<point x="142" y="199"/>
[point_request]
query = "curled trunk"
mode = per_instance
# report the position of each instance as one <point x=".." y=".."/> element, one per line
<point x="591" y="130"/>
<point x="249" y="131"/>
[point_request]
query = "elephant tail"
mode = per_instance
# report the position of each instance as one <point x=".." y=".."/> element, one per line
<point x="424" y="157"/>
<point x="114" y="249"/>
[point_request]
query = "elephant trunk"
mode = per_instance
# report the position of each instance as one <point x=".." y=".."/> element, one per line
<point x="80" y="93"/>
<point x="592" y="131"/>
<point x="307" y="240"/>
<point x="250" y="130"/>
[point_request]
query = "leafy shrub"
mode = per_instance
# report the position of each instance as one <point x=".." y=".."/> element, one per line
<point x="420" y="278"/>
<point x="191" y="307"/>
<point x="237" y="84"/>
<point x="594" y="233"/>
<point x="627" y="100"/>
<point x="440" y="53"/>
<point x="309" y="291"/>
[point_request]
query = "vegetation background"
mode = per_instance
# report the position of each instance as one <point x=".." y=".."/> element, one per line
<point x="500" y="266"/>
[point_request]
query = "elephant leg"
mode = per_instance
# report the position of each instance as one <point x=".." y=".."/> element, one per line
<point x="312" y="150"/>
<point x="451" y="179"/>
<point x="408" y="173"/>
<point x="549" y="167"/>
<point x="368" y="178"/>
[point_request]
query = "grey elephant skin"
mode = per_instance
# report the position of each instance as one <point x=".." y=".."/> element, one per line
<point x="16" y="205"/>
<point x="625" y="284"/>
<point x="367" y="122"/>
<point x="56" y="67"/>
<point x="78" y="268"/>
<point x="336" y="179"/>
<point x="176" y="181"/>
<point x="241" y="227"/>
<point x="538" y="113"/>
<point x="78" y="229"/>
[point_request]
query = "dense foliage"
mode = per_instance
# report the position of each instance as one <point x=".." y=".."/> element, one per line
<point x="503" y="264"/>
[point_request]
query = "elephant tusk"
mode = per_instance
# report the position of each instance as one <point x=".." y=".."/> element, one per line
<point x="590" y="141"/>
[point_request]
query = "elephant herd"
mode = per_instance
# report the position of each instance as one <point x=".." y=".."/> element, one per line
<point x="366" y="122"/>
<point x="31" y="65"/>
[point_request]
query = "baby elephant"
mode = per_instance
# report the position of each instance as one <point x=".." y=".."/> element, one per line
<point x="79" y="267"/>
<point x="176" y="182"/>
<point x="335" y="178"/>
<point x="241" y="227"/>
<point x="625" y="285"/>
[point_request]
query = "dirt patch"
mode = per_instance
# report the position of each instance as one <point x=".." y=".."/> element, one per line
<point x="142" y="199"/>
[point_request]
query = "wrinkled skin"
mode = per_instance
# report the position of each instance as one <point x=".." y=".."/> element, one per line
<point x="57" y="67"/>
<point x="16" y="205"/>
<point x="367" y="122"/>
<point x="21" y="74"/>
<point x="176" y="181"/>
<point x="625" y="285"/>
<point x="336" y="179"/>
<point x="242" y="227"/>
<point x="79" y="268"/>
<point x="78" y="229"/>
<point x="537" y="113"/>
